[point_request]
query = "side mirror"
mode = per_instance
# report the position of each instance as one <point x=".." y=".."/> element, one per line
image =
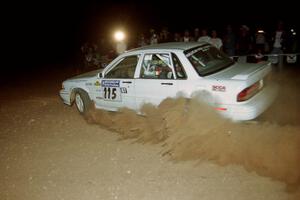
<point x="100" y="75"/>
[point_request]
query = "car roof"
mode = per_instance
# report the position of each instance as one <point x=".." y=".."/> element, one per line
<point x="169" y="46"/>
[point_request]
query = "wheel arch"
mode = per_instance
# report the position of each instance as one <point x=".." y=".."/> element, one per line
<point x="74" y="91"/>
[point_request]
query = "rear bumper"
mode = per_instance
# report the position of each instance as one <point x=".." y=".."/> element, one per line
<point x="252" y="108"/>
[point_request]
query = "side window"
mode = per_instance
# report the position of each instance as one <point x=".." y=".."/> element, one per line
<point x="179" y="71"/>
<point x="156" y="66"/>
<point x="124" y="69"/>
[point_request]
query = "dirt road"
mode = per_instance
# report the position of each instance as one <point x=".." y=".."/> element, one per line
<point x="49" y="152"/>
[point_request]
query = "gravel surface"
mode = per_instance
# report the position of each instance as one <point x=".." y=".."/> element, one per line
<point x="50" y="152"/>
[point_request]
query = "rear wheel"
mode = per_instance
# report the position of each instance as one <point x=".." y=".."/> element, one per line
<point x="83" y="102"/>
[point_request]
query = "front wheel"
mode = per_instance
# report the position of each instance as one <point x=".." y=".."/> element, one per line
<point x="83" y="102"/>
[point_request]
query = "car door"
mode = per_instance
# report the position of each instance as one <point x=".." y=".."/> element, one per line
<point x="117" y="87"/>
<point x="156" y="79"/>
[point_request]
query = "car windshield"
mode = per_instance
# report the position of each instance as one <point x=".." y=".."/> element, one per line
<point x="207" y="59"/>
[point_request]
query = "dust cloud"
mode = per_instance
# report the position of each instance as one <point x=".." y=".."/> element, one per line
<point x="188" y="129"/>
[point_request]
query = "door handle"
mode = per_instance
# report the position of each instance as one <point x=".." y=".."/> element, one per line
<point x="126" y="82"/>
<point x="166" y="83"/>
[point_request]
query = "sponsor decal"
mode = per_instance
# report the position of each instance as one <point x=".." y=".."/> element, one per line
<point x="205" y="48"/>
<point x="110" y="83"/>
<point x="88" y="84"/>
<point x="123" y="90"/>
<point x="219" y="88"/>
<point x="97" y="83"/>
<point x="291" y="58"/>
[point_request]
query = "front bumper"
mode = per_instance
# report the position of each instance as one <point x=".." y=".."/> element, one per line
<point x="65" y="96"/>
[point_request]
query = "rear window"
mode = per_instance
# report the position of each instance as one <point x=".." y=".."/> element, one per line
<point x="207" y="59"/>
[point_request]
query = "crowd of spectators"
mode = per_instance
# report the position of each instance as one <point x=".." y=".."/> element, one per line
<point x="234" y="41"/>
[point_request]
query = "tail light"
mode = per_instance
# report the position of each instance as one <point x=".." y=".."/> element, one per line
<point x="250" y="91"/>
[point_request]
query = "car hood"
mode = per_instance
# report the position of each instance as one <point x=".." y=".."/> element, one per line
<point x="242" y="71"/>
<point x="86" y="75"/>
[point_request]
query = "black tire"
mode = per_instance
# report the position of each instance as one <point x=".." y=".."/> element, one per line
<point x="82" y="101"/>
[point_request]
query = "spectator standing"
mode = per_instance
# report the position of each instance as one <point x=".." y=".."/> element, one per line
<point x="186" y="36"/>
<point x="291" y="42"/>
<point x="121" y="47"/>
<point x="153" y="37"/>
<point x="142" y="40"/>
<point x="229" y="41"/>
<point x="196" y="34"/>
<point x="164" y="35"/>
<point x="216" y="41"/>
<point x="177" y="37"/>
<point x="204" y="36"/>
<point x="260" y="41"/>
<point x="278" y="40"/>
<point x="244" y="44"/>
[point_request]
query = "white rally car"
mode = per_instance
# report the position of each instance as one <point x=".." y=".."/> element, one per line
<point x="153" y="73"/>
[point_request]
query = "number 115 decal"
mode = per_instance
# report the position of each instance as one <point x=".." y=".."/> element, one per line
<point x="111" y="94"/>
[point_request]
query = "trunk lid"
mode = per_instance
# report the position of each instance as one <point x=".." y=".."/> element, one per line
<point x="243" y="71"/>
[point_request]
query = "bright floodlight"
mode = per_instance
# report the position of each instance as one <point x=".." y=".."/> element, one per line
<point x="119" y="36"/>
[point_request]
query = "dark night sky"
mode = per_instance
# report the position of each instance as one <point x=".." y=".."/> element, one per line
<point x="52" y="31"/>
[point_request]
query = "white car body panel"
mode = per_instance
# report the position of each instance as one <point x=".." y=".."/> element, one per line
<point x="154" y="91"/>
